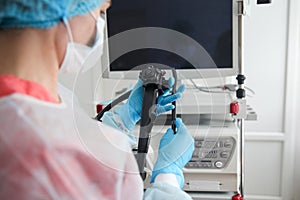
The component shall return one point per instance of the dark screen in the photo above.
(208, 22)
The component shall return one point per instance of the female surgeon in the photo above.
(49, 148)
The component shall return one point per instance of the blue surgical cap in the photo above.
(42, 14)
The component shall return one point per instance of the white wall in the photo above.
(295, 60)
(265, 59)
(271, 71)
(265, 69)
(297, 141)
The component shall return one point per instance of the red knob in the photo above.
(99, 108)
(234, 107)
(237, 197)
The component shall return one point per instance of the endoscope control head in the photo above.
(151, 75)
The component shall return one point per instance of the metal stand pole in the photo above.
(242, 157)
(241, 93)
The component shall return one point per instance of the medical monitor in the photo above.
(197, 37)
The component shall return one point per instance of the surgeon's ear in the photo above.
(61, 41)
(105, 5)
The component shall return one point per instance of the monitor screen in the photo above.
(208, 22)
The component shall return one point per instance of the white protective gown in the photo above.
(56, 151)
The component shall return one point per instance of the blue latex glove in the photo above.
(130, 112)
(175, 151)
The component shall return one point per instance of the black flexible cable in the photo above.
(112, 104)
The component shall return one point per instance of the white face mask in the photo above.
(80, 57)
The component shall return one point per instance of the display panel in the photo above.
(209, 23)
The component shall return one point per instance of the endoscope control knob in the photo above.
(152, 75)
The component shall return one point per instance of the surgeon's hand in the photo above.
(130, 112)
(175, 151)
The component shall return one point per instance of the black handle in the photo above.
(146, 124)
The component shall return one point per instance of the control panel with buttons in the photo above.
(212, 153)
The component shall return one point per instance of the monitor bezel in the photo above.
(182, 73)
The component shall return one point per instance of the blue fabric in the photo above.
(163, 191)
(175, 150)
(130, 112)
(42, 14)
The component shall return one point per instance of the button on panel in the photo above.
(196, 153)
(218, 164)
(219, 144)
(228, 144)
(224, 154)
(198, 143)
